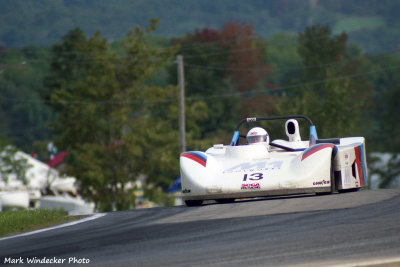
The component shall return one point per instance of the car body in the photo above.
(282, 167)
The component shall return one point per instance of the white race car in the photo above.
(281, 167)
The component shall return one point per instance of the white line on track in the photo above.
(93, 217)
(365, 262)
(371, 262)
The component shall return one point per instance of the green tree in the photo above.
(221, 65)
(387, 174)
(12, 164)
(23, 114)
(283, 58)
(384, 115)
(386, 130)
(328, 88)
(108, 115)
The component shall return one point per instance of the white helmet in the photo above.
(257, 135)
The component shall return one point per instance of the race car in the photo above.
(260, 167)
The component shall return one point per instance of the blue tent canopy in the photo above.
(176, 186)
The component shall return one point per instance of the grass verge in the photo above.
(18, 221)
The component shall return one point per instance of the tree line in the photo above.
(373, 24)
(114, 105)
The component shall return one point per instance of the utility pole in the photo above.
(181, 83)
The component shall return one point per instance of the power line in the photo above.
(192, 46)
(234, 51)
(224, 68)
(222, 95)
(70, 102)
(195, 66)
(170, 62)
(278, 89)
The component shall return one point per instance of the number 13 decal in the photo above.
(253, 176)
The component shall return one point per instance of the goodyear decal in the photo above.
(311, 150)
(323, 182)
(199, 157)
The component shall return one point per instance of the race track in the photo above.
(351, 229)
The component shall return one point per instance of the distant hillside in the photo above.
(372, 24)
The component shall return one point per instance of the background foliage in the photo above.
(108, 114)
(373, 24)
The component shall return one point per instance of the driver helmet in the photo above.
(257, 135)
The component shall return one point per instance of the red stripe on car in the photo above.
(193, 157)
(358, 163)
(308, 152)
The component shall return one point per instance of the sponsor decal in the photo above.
(255, 167)
(346, 159)
(199, 157)
(250, 186)
(347, 175)
(185, 191)
(323, 182)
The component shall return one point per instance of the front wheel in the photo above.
(333, 184)
(192, 203)
(225, 200)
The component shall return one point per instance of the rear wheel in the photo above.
(192, 203)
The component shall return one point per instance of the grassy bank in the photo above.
(12, 222)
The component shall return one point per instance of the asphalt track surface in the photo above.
(351, 229)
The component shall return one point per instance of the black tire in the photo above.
(225, 200)
(323, 193)
(349, 190)
(333, 179)
(333, 184)
(193, 203)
